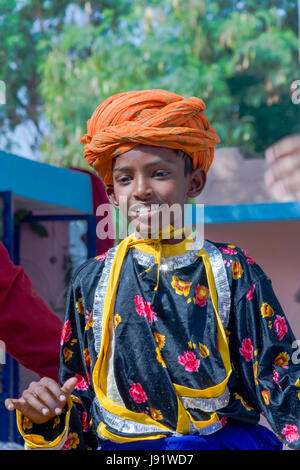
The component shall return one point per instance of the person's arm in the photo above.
(283, 168)
(29, 329)
(266, 360)
(72, 428)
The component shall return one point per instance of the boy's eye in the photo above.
(123, 179)
(161, 173)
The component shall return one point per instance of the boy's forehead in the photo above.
(145, 152)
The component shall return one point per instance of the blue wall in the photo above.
(45, 183)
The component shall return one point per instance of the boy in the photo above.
(172, 343)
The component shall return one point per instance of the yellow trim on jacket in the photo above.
(37, 441)
(99, 376)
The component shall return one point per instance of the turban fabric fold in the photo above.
(148, 117)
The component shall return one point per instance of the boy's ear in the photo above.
(110, 193)
(197, 180)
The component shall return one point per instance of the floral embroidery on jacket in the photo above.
(290, 432)
(280, 326)
(71, 442)
(181, 287)
(189, 361)
(67, 353)
(159, 339)
(228, 250)
(79, 305)
(87, 357)
(66, 332)
(117, 320)
(255, 369)
(247, 349)
(137, 393)
(250, 260)
(202, 294)
(89, 319)
(159, 357)
(237, 270)
(101, 257)
(266, 310)
(203, 350)
(82, 384)
(282, 359)
(249, 294)
(156, 414)
(266, 396)
(145, 309)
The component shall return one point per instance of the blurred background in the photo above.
(59, 59)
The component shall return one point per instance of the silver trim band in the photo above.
(173, 262)
(207, 404)
(126, 426)
(99, 298)
(221, 281)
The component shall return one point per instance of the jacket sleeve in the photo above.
(73, 429)
(268, 360)
(29, 329)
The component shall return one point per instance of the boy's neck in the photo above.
(180, 237)
(173, 241)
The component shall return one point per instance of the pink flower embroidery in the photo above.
(72, 441)
(89, 320)
(145, 309)
(66, 332)
(249, 259)
(202, 294)
(227, 263)
(245, 253)
(66, 444)
(247, 349)
(189, 361)
(137, 393)
(227, 251)
(280, 326)
(276, 377)
(290, 432)
(101, 257)
(84, 420)
(223, 421)
(250, 292)
(82, 384)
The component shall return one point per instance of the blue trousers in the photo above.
(233, 436)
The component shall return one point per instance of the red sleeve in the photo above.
(29, 328)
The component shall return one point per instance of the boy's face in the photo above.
(147, 182)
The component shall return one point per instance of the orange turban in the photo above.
(148, 117)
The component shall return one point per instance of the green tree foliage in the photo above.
(239, 56)
(23, 23)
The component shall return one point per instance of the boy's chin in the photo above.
(146, 231)
(153, 232)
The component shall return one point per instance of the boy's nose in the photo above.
(142, 189)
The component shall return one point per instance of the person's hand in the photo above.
(42, 400)
(283, 168)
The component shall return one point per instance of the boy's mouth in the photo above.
(144, 211)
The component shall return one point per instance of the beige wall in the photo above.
(275, 247)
